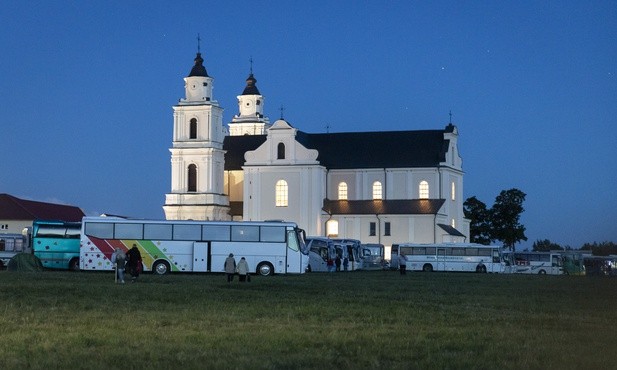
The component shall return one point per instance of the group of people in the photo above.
(130, 261)
(335, 264)
(231, 268)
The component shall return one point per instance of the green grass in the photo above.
(344, 320)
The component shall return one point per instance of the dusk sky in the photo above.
(87, 90)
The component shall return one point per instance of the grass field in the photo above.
(343, 320)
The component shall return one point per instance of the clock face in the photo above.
(193, 87)
(248, 104)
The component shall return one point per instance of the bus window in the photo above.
(292, 239)
(157, 232)
(273, 234)
(100, 230)
(458, 251)
(245, 233)
(216, 233)
(471, 251)
(187, 232)
(129, 231)
(419, 250)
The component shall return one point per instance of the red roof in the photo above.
(12, 208)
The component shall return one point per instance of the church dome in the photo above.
(198, 69)
(251, 87)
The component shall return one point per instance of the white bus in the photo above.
(373, 257)
(468, 257)
(321, 249)
(194, 246)
(12, 244)
(538, 263)
(350, 249)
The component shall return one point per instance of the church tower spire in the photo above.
(197, 156)
(250, 120)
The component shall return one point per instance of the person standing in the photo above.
(243, 270)
(230, 267)
(337, 262)
(402, 263)
(118, 258)
(134, 262)
(345, 263)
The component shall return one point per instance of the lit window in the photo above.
(423, 190)
(281, 193)
(342, 191)
(193, 129)
(192, 177)
(377, 194)
(453, 223)
(453, 191)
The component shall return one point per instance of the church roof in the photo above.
(388, 149)
(251, 86)
(198, 69)
(12, 208)
(386, 206)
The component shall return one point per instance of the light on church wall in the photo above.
(332, 228)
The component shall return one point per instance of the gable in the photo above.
(12, 208)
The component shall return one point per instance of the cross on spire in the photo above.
(198, 43)
(450, 115)
(282, 109)
(251, 60)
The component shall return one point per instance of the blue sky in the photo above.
(87, 90)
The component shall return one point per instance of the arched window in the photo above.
(377, 193)
(192, 177)
(453, 191)
(281, 193)
(342, 191)
(280, 151)
(423, 190)
(193, 129)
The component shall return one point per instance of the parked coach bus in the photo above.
(56, 244)
(538, 263)
(452, 257)
(194, 246)
(321, 249)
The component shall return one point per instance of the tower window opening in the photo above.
(192, 178)
(193, 129)
(280, 151)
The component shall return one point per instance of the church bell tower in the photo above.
(250, 120)
(197, 155)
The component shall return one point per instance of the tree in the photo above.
(545, 246)
(480, 226)
(505, 218)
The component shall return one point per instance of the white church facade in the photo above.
(378, 187)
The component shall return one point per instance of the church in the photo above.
(377, 187)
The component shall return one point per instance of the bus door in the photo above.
(201, 254)
(441, 259)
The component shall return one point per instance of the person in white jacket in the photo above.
(243, 270)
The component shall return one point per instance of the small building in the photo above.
(17, 214)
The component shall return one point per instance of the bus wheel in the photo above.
(541, 272)
(481, 269)
(74, 264)
(265, 269)
(160, 268)
(427, 268)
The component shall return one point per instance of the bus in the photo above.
(320, 250)
(351, 249)
(12, 244)
(373, 257)
(194, 246)
(538, 263)
(468, 257)
(600, 265)
(56, 244)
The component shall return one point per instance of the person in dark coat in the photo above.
(133, 257)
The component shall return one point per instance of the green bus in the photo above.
(56, 244)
